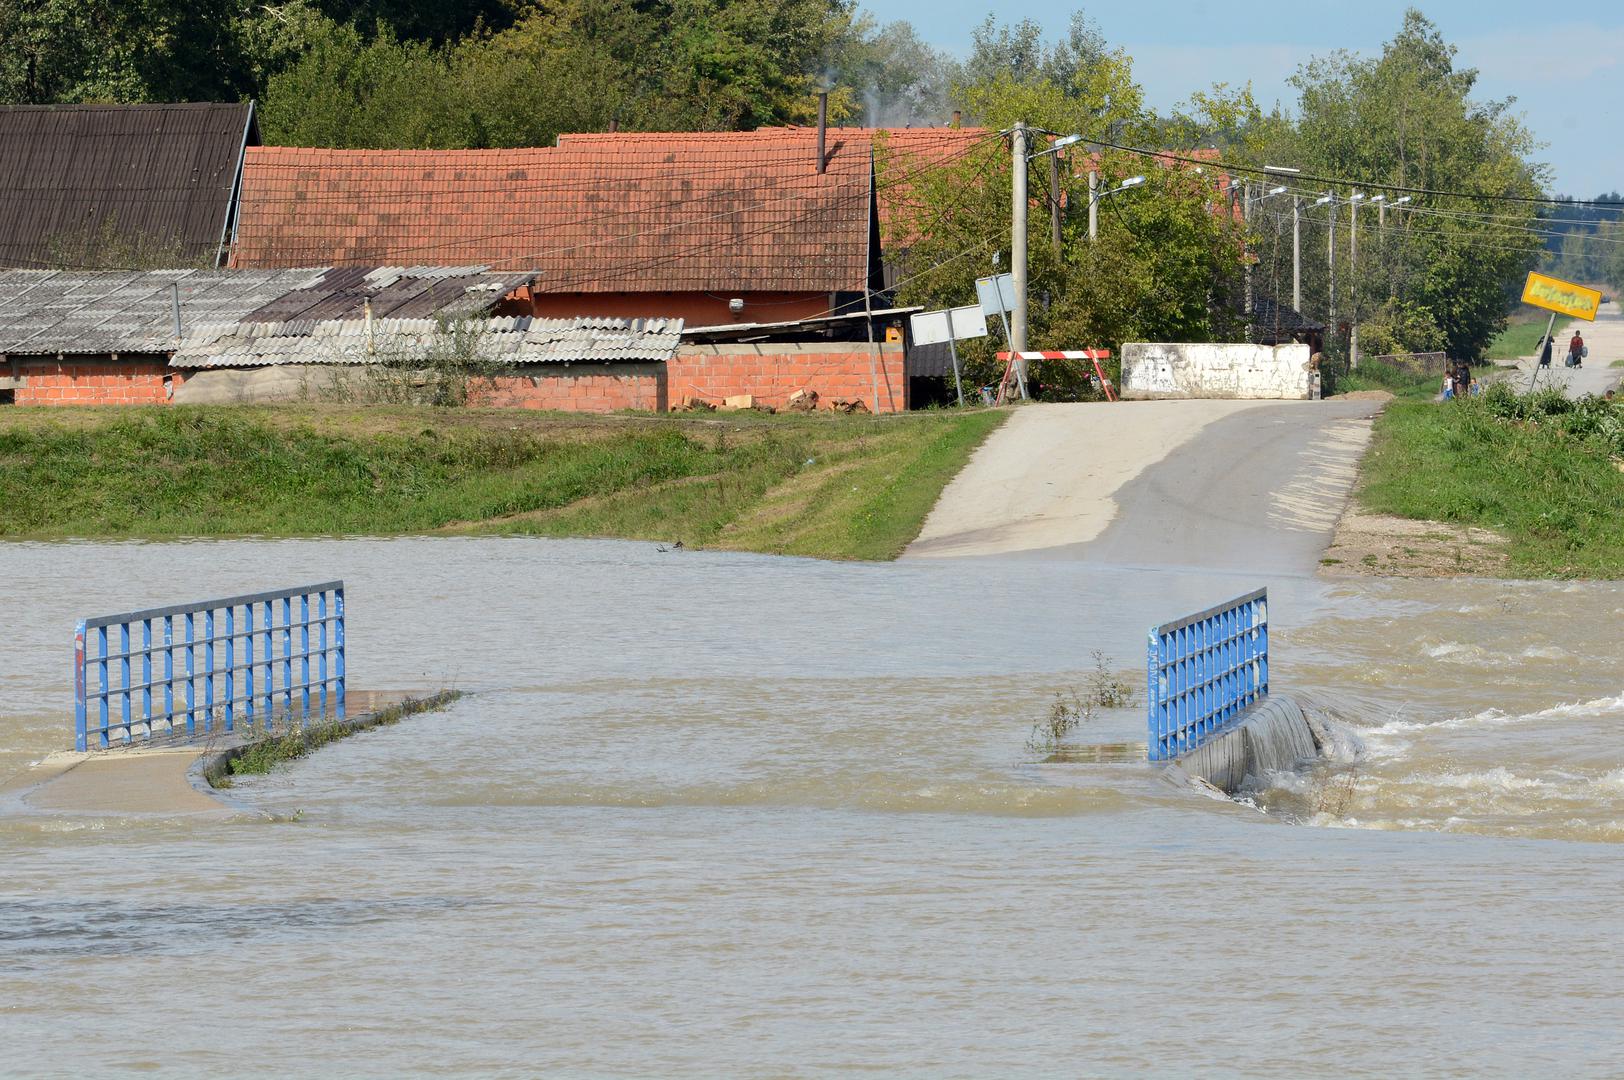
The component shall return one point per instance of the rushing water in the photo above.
(721, 814)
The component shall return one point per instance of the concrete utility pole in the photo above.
(1296, 253)
(1017, 252)
(1353, 277)
(1246, 250)
(1093, 203)
(1330, 265)
(1054, 202)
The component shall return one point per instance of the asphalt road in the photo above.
(1211, 485)
(1605, 337)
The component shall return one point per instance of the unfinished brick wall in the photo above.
(93, 381)
(771, 373)
(579, 388)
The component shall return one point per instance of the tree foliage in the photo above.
(1408, 118)
(1165, 266)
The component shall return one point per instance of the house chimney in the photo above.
(174, 305)
(371, 345)
(614, 125)
(823, 127)
(957, 116)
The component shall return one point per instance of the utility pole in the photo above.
(1246, 250)
(1296, 254)
(1353, 278)
(1093, 204)
(1330, 266)
(1017, 253)
(1054, 202)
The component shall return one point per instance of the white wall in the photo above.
(1151, 370)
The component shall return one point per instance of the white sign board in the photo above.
(934, 327)
(997, 294)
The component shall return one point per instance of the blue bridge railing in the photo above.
(208, 667)
(1204, 671)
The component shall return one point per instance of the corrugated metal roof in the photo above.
(142, 174)
(54, 311)
(507, 339)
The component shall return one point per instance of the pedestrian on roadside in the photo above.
(1545, 351)
(1576, 350)
(1462, 380)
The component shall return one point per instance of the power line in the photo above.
(1255, 170)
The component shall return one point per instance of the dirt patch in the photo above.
(1377, 545)
(1363, 395)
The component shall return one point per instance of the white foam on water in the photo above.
(1496, 717)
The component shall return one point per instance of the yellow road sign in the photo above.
(1562, 297)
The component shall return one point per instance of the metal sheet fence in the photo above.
(210, 667)
(1204, 670)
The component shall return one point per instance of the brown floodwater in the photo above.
(708, 813)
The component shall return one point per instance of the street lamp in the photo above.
(1096, 196)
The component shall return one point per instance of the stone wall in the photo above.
(1216, 371)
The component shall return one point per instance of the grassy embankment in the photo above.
(854, 487)
(1531, 467)
(1521, 337)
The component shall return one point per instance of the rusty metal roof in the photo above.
(45, 312)
(159, 177)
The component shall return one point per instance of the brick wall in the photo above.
(580, 388)
(771, 373)
(145, 380)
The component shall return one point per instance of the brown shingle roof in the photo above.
(664, 215)
(143, 176)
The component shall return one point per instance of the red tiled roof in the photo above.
(666, 214)
(906, 151)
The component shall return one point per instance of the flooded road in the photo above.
(707, 813)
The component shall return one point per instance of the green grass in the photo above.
(1559, 499)
(1616, 363)
(725, 480)
(1371, 375)
(1520, 338)
(262, 756)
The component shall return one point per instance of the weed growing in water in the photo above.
(1070, 710)
(1067, 713)
(1107, 689)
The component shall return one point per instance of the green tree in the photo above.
(1165, 265)
(564, 65)
(132, 51)
(1409, 118)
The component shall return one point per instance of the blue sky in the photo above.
(1564, 65)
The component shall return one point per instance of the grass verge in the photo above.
(827, 486)
(1371, 375)
(261, 757)
(1521, 337)
(1556, 496)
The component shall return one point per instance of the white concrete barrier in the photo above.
(1173, 370)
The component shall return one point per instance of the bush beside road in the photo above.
(1540, 470)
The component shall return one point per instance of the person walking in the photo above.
(1545, 351)
(1576, 351)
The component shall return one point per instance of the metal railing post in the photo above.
(338, 648)
(81, 737)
